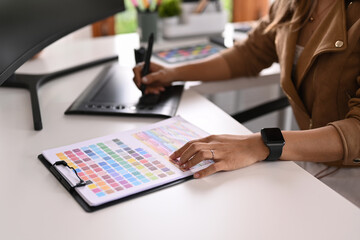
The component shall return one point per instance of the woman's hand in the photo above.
(229, 152)
(156, 81)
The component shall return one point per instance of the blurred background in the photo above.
(231, 101)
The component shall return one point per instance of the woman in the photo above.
(317, 44)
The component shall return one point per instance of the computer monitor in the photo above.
(26, 27)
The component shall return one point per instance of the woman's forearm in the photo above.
(316, 145)
(212, 69)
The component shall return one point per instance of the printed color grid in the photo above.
(166, 139)
(113, 166)
(187, 53)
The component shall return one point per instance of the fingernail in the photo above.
(183, 166)
(144, 80)
(196, 175)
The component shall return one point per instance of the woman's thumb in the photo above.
(151, 78)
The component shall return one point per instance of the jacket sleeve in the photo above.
(257, 52)
(349, 131)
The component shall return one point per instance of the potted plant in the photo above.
(169, 11)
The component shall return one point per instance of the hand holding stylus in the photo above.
(158, 78)
(150, 77)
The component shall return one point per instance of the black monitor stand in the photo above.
(33, 82)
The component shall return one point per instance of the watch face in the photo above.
(272, 135)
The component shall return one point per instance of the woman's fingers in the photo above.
(156, 74)
(199, 156)
(175, 155)
(154, 90)
(153, 78)
(213, 168)
(193, 150)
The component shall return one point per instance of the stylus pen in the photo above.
(145, 70)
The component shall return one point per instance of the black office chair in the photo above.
(261, 110)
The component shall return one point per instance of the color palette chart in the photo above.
(188, 53)
(123, 164)
(166, 139)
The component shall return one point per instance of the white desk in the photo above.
(265, 201)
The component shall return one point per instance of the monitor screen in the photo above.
(26, 27)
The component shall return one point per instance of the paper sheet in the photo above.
(125, 163)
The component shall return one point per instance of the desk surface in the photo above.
(276, 200)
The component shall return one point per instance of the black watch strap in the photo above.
(275, 153)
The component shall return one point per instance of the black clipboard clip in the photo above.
(81, 182)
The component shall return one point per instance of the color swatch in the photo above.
(113, 166)
(183, 54)
(166, 139)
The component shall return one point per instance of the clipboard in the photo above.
(104, 171)
(89, 208)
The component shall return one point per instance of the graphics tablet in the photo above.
(113, 92)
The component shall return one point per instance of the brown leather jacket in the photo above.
(325, 88)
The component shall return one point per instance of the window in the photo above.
(126, 21)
